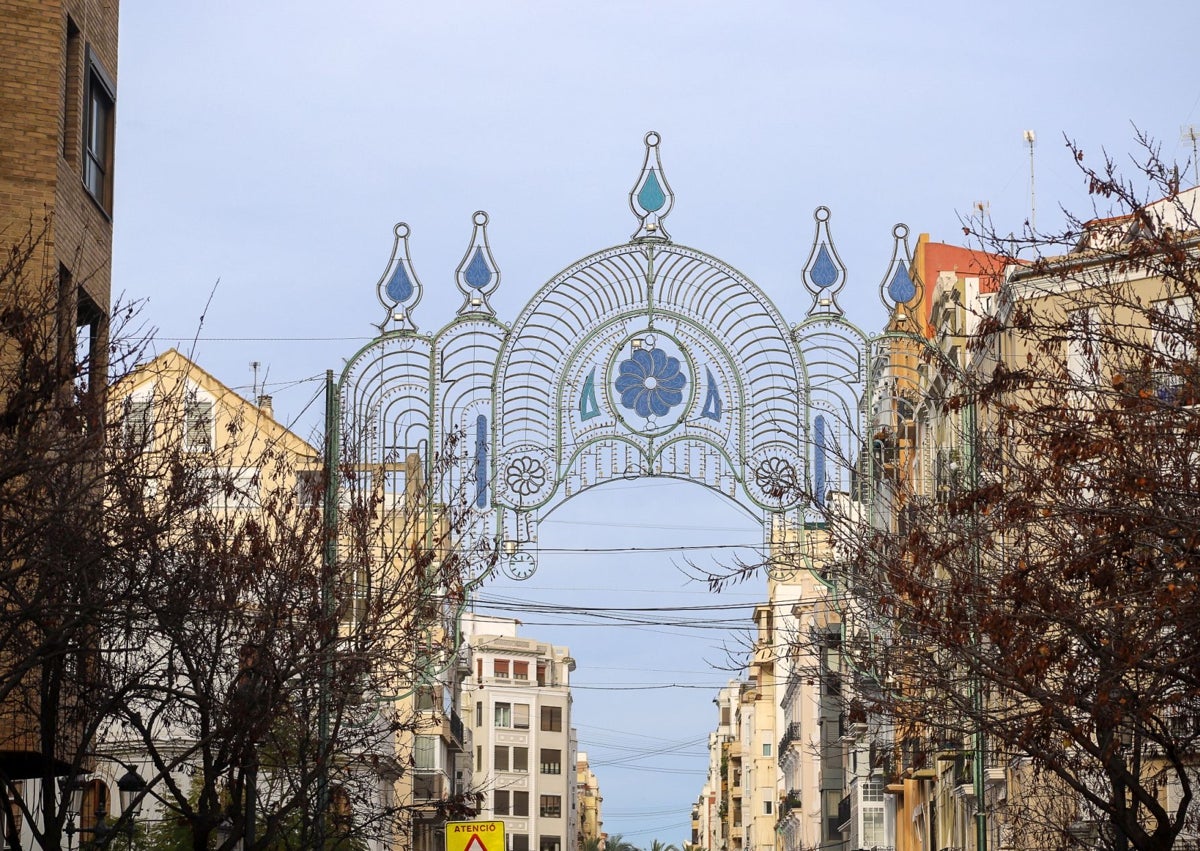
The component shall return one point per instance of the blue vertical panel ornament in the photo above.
(824, 273)
(399, 289)
(588, 406)
(478, 275)
(819, 460)
(712, 399)
(900, 288)
(481, 462)
(651, 198)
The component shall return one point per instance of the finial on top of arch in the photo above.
(399, 289)
(651, 198)
(900, 288)
(478, 275)
(824, 273)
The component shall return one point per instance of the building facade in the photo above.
(589, 801)
(524, 751)
(58, 89)
(58, 96)
(396, 770)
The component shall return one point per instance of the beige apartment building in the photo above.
(400, 769)
(589, 801)
(761, 771)
(1099, 332)
(524, 759)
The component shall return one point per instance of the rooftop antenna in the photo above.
(1031, 140)
(1191, 133)
(254, 365)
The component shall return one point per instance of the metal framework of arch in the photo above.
(644, 359)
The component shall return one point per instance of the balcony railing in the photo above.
(791, 734)
(456, 728)
(843, 812)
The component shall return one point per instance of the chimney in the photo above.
(265, 405)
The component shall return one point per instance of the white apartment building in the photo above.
(524, 750)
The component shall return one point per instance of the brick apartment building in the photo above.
(58, 94)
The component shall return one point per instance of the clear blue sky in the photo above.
(272, 146)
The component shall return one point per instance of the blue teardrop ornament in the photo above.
(478, 275)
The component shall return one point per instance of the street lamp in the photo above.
(132, 789)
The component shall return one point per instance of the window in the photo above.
(833, 798)
(425, 699)
(310, 488)
(479, 757)
(541, 673)
(500, 802)
(520, 803)
(520, 670)
(551, 761)
(502, 715)
(551, 806)
(1174, 345)
(550, 843)
(521, 716)
(356, 594)
(767, 807)
(520, 842)
(197, 424)
(500, 668)
(766, 748)
(873, 834)
(99, 108)
(479, 713)
(1083, 347)
(14, 805)
(520, 759)
(88, 319)
(425, 753)
(552, 719)
(500, 758)
(235, 489)
(479, 670)
(137, 427)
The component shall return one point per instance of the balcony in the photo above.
(456, 729)
(791, 734)
(429, 786)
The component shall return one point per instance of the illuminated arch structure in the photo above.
(643, 359)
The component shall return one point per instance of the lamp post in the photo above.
(132, 790)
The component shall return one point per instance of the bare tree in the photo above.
(56, 587)
(275, 697)
(167, 605)
(1031, 567)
